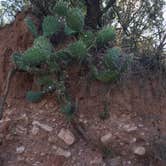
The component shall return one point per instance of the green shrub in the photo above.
(75, 19)
(18, 61)
(34, 57)
(105, 35)
(61, 8)
(67, 109)
(34, 96)
(45, 80)
(105, 114)
(112, 57)
(43, 43)
(114, 60)
(78, 50)
(62, 54)
(31, 26)
(68, 31)
(105, 76)
(51, 66)
(50, 25)
(88, 38)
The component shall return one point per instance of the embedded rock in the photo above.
(67, 136)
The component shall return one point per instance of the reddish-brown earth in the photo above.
(137, 109)
(13, 38)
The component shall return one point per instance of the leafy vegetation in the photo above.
(78, 50)
(105, 35)
(105, 114)
(50, 66)
(34, 96)
(50, 26)
(61, 8)
(75, 19)
(31, 26)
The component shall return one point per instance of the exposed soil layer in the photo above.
(136, 117)
(14, 38)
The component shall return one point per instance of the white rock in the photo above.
(62, 152)
(67, 136)
(140, 125)
(139, 150)
(130, 128)
(37, 163)
(5, 120)
(35, 130)
(20, 149)
(129, 162)
(21, 130)
(54, 147)
(43, 126)
(133, 140)
(106, 138)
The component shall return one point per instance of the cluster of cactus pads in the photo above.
(43, 61)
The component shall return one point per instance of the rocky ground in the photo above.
(132, 134)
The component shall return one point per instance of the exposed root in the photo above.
(6, 90)
(94, 144)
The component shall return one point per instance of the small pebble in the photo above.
(20, 149)
(139, 150)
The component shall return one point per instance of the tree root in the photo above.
(94, 144)
(6, 90)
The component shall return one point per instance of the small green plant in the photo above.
(61, 8)
(78, 50)
(17, 59)
(34, 96)
(44, 44)
(31, 26)
(34, 57)
(111, 58)
(88, 38)
(45, 81)
(68, 31)
(107, 152)
(105, 76)
(115, 60)
(75, 19)
(50, 25)
(105, 35)
(105, 114)
(68, 109)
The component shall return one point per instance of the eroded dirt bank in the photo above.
(136, 120)
(134, 129)
(13, 38)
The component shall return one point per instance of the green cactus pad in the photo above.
(75, 20)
